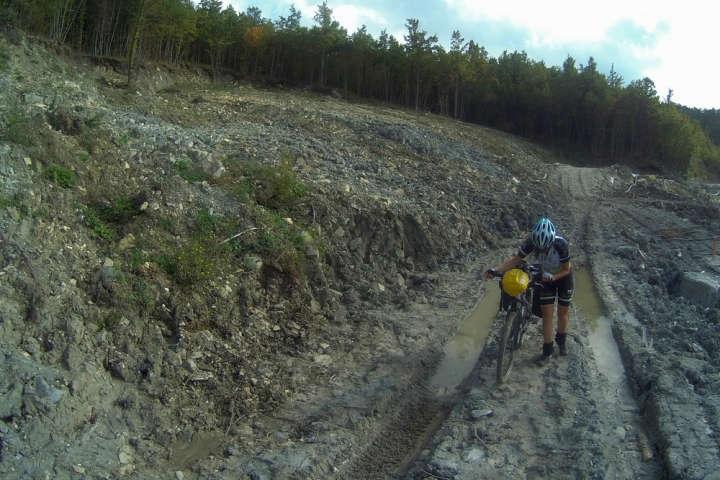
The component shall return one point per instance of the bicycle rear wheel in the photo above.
(507, 344)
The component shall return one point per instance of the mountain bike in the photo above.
(519, 314)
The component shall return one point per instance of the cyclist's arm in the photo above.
(563, 250)
(565, 270)
(511, 262)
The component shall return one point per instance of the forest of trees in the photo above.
(709, 120)
(573, 107)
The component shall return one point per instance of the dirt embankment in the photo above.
(217, 281)
(215, 278)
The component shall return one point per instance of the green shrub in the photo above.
(190, 172)
(108, 320)
(167, 224)
(9, 201)
(190, 264)
(135, 259)
(123, 140)
(4, 56)
(281, 244)
(275, 187)
(105, 218)
(61, 176)
(19, 127)
(99, 228)
(207, 224)
(120, 211)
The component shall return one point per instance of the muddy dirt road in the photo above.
(582, 416)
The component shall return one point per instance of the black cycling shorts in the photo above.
(562, 290)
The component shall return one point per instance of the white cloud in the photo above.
(347, 15)
(561, 21)
(682, 56)
(352, 16)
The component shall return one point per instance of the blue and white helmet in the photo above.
(543, 234)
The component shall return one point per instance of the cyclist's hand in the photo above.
(548, 277)
(489, 274)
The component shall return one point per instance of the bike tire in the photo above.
(506, 345)
(519, 332)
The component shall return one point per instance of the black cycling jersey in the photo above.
(556, 255)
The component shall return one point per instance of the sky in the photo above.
(672, 43)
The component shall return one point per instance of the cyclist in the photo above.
(552, 252)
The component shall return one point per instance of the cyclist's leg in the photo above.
(565, 293)
(547, 305)
(547, 316)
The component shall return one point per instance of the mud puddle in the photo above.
(602, 343)
(202, 445)
(461, 353)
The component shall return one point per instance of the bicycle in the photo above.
(519, 313)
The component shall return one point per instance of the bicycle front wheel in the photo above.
(506, 345)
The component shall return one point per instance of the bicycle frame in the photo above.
(516, 322)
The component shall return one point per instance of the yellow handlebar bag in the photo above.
(514, 282)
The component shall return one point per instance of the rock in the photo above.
(32, 99)
(322, 359)
(125, 455)
(75, 329)
(11, 401)
(253, 263)
(480, 413)
(231, 451)
(475, 455)
(179, 475)
(356, 244)
(126, 469)
(127, 242)
(258, 471)
(43, 394)
(117, 366)
(626, 251)
(191, 365)
(105, 280)
(210, 165)
(700, 288)
(73, 357)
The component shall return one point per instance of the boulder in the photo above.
(11, 401)
(700, 288)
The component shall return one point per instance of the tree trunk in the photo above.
(322, 69)
(135, 40)
(417, 90)
(456, 106)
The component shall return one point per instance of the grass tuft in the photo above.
(61, 176)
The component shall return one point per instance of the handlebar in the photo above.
(535, 272)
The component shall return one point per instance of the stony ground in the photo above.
(220, 281)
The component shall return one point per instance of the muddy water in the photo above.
(607, 356)
(202, 445)
(462, 351)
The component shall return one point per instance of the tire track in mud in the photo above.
(413, 415)
(684, 425)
